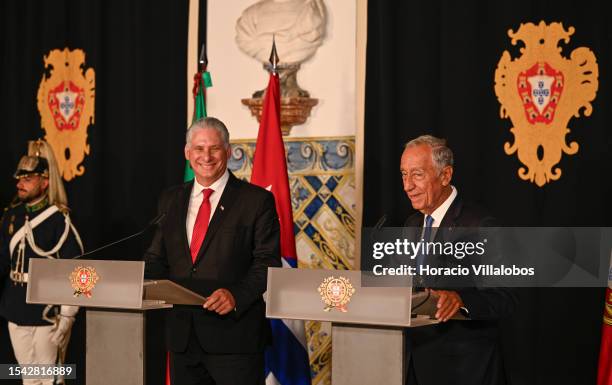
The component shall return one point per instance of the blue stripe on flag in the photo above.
(291, 261)
(286, 358)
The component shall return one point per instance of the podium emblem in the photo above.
(83, 280)
(336, 293)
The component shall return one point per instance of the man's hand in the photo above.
(449, 303)
(220, 301)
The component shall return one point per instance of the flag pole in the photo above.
(273, 57)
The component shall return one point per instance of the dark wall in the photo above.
(430, 69)
(138, 51)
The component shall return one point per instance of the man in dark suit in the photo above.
(452, 351)
(218, 238)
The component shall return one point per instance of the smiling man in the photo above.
(218, 238)
(462, 352)
(426, 174)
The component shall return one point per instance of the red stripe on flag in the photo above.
(604, 376)
(168, 381)
(270, 164)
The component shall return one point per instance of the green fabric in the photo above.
(199, 105)
(188, 172)
(37, 206)
(207, 79)
(199, 113)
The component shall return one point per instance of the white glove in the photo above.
(68, 310)
(61, 336)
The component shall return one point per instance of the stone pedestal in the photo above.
(294, 110)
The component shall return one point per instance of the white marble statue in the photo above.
(298, 27)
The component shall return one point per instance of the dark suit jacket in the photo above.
(241, 242)
(13, 304)
(461, 352)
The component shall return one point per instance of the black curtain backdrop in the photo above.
(138, 50)
(430, 70)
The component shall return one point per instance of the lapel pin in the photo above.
(221, 207)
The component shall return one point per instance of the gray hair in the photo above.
(208, 122)
(441, 155)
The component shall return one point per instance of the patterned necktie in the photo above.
(201, 224)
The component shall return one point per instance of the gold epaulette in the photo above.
(16, 202)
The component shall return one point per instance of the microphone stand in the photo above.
(158, 219)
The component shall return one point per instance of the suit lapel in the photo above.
(223, 208)
(449, 222)
(452, 213)
(183, 206)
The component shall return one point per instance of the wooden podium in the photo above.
(116, 309)
(368, 339)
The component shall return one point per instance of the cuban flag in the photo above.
(287, 360)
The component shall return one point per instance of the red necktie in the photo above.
(201, 224)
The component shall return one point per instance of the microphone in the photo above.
(155, 221)
(366, 264)
(380, 222)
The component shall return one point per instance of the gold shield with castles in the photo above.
(66, 102)
(540, 91)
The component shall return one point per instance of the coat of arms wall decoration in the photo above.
(66, 102)
(540, 91)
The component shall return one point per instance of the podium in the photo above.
(116, 299)
(367, 334)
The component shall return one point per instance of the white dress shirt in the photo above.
(440, 212)
(195, 201)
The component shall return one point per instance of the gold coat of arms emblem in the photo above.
(540, 91)
(66, 102)
(336, 293)
(83, 280)
(608, 310)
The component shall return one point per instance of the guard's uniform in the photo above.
(31, 326)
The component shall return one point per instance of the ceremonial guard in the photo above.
(36, 225)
